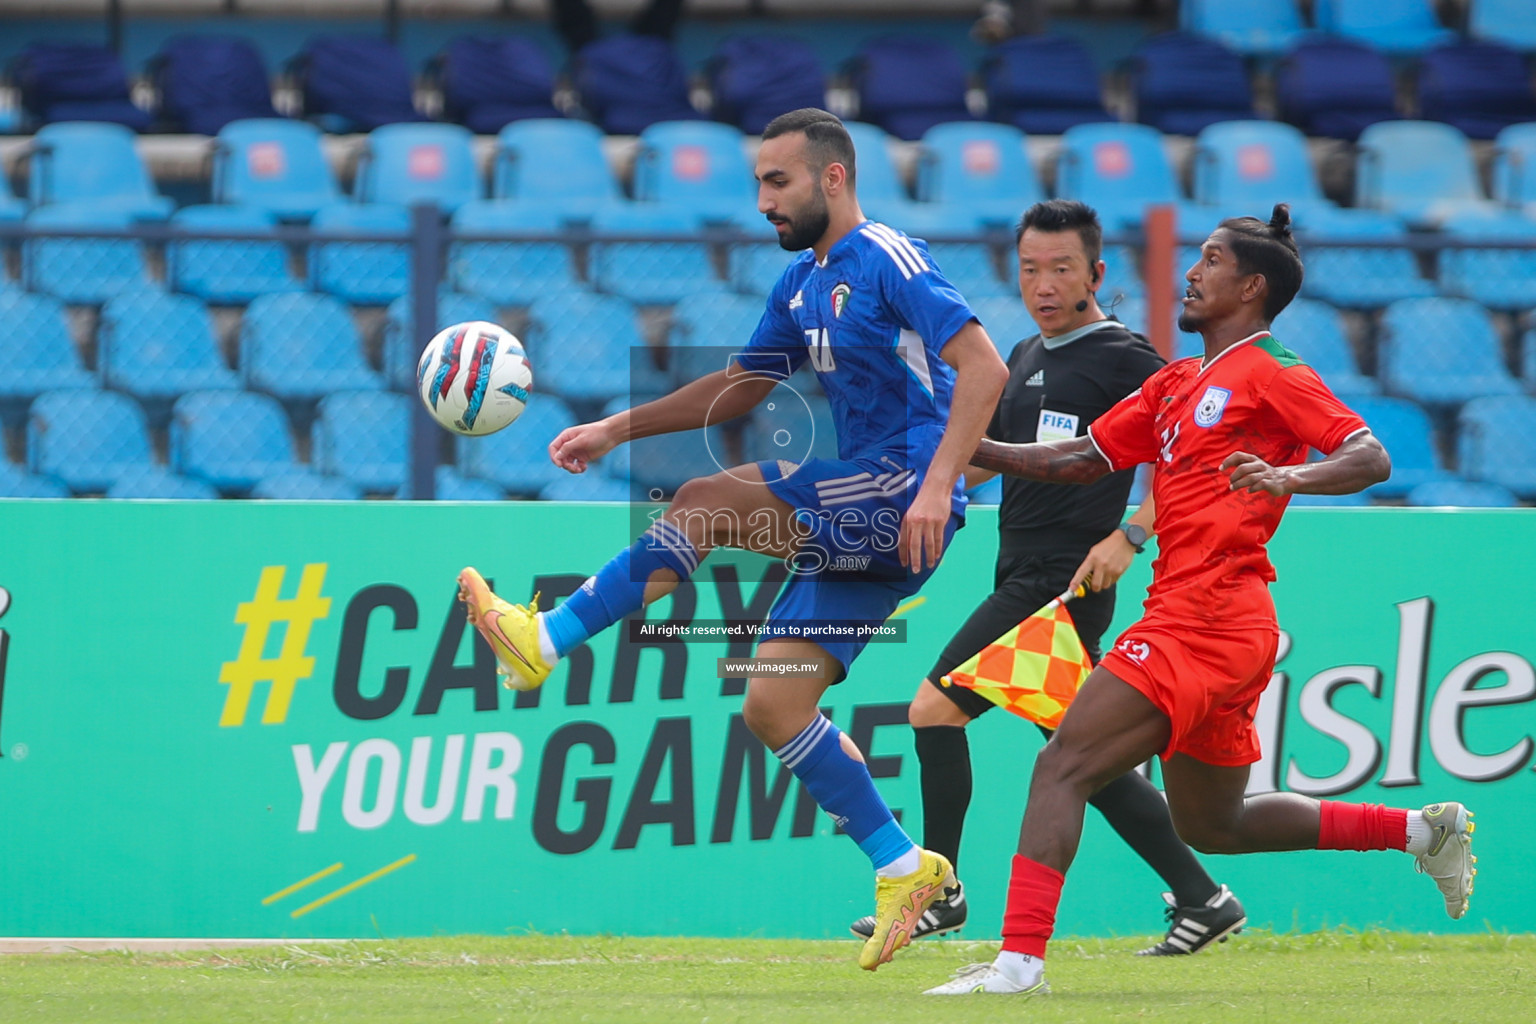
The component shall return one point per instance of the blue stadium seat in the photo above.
(655, 272)
(1461, 494)
(1362, 277)
(300, 346)
(908, 84)
(1423, 171)
(86, 438)
(697, 164)
(1335, 87)
(981, 166)
(1043, 84)
(630, 82)
(230, 439)
(657, 466)
(490, 82)
(511, 272)
(451, 485)
(1404, 429)
(16, 482)
(363, 273)
(1511, 22)
(364, 437)
(300, 484)
(1184, 82)
(882, 193)
(1442, 352)
(1120, 170)
(402, 349)
(1315, 331)
(95, 164)
(1007, 321)
(755, 78)
(557, 164)
(87, 271)
(593, 485)
(884, 196)
(157, 346)
(1496, 442)
(1253, 27)
(354, 83)
(274, 164)
(159, 484)
(1514, 167)
(1500, 278)
(707, 331)
(517, 459)
(585, 349)
(1394, 26)
(405, 164)
(989, 493)
(228, 272)
(207, 81)
(76, 82)
(11, 208)
(36, 351)
(1480, 88)
(1245, 167)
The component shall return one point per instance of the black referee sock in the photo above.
(945, 756)
(1136, 810)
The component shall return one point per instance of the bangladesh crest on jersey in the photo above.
(840, 296)
(1212, 404)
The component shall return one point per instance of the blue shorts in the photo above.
(848, 572)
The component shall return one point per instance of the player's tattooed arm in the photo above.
(1070, 461)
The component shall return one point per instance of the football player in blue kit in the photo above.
(912, 379)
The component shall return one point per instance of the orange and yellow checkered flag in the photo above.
(1034, 669)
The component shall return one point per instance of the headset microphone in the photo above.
(1082, 305)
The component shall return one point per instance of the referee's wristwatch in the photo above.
(1136, 535)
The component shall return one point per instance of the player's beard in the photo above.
(1189, 323)
(808, 225)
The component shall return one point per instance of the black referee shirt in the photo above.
(1055, 390)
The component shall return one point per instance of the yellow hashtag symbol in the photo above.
(291, 663)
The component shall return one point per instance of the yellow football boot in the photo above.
(900, 904)
(512, 630)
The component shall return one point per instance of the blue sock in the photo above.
(843, 788)
(619, 587)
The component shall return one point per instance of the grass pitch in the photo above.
(1328, 977)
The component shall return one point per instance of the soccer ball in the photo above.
(474, 378)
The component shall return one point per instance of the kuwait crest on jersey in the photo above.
(840, 296)
(1212, 404)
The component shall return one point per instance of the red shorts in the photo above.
(1207, 682)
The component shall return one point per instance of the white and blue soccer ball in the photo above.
(474, 378)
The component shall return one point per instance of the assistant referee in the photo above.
(1050, 536)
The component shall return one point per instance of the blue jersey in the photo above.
(871, 321)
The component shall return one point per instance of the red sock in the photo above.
(1034, 891)
(1361, 827)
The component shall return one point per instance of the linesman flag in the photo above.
(1034, 669)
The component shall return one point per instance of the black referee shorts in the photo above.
(1023, 584)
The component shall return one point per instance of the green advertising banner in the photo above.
(268, 720)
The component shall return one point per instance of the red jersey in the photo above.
(1255, 397)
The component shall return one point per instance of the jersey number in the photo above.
(820, 345)
(1169, 436)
